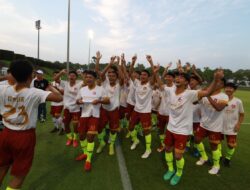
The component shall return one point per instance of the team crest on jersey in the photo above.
(233, 106)
(94, 93)
(179, 99)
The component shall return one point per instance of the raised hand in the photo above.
(134, 58)
(219, 74)
(188, 67)
(193, 67)
(64, 71)
(169, 65)
(98, 55)
(112, 59)
(156, 68)
(123, 61)
(178, 64)
(149, 58)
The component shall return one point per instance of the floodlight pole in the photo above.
(89, 53)
(68, 37)
(38, 27)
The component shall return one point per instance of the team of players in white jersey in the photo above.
(118, 95)
(105, 98)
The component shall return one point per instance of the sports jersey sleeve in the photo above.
(103, 94)
(193, 95)
(167, 90)
(41, 94)
(241, 108)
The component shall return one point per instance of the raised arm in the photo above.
(61, 73)
(218, 75)
(179, 66)
(153, 68)
(131, 68)
(166, 69)
(97, 64)
(103, 73)
(123, 67)
(79, 72)
(218, 106)
(55, 96)
(194, 71)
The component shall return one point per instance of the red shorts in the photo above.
(195, 127)
(214, 137)
(122, 112)
(130, 109)
(176, 140)
(88, 125)
(111, 118)
(162, 121)
(17, 150)
(70, 116)
(144, 118)
(56, 111)
(231, 140)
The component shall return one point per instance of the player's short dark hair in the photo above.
(232, 85)
(115, 70)
(146, 71)
(21, 70)
(195, 77)
(170, 73)
(90, 72)
(73, 72)
(185, 75)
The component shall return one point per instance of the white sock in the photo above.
(60, 122)
(55, 122)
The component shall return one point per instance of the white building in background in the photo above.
(3, 70)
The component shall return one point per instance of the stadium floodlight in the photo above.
(38, 27)
(68, 36)
(91, 36)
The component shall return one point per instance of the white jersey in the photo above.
(143, 97)
(88, 96)
(181, 111)
(113, 92)
(5, 82)
(124, 95)
(211, 119)
(156, 100)
(231, 116)
(70, 96)
(196, 113)
(19, 109)
(59, 86)
(164, 106)
(131, 93)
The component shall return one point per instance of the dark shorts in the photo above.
(17, 150)
(176, 140)
(88, 125)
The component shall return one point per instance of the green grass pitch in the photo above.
(54, 166)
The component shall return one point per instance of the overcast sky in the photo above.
(204, 32)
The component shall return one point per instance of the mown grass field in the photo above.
(54, 166)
